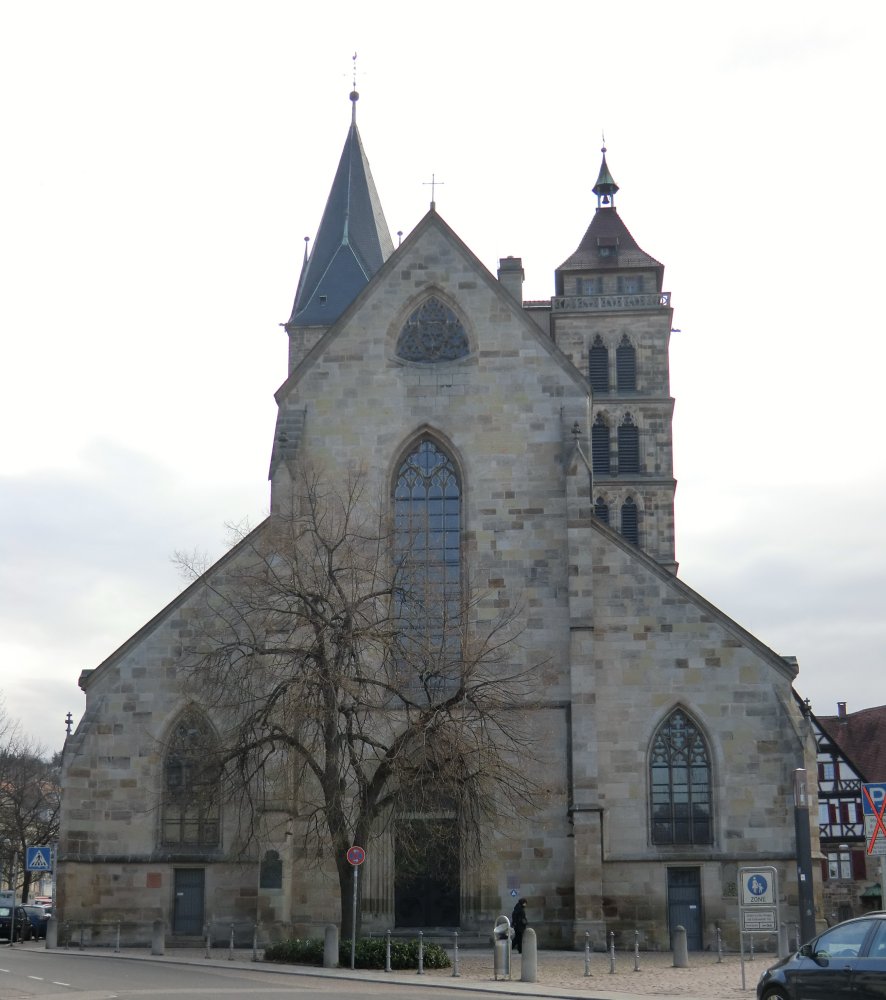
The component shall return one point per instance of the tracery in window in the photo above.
(427, 524)
(680, 783)
(432, 333)
(190, 784)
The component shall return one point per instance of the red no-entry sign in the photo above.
(356, 855)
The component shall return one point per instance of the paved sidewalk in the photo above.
(561, 974)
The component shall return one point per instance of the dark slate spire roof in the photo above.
(352, 243)
(608, 244)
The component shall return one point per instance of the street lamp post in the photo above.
(804, 856)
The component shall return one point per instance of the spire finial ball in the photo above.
(355, 96)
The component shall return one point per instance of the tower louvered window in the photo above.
(600, 457)
(626, 366)
(629, 525)
(601, 510)
(628, 447)
(680, 783)
(598, 366)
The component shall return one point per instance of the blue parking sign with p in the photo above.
(38, 859)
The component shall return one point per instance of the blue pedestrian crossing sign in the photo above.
(39, 859)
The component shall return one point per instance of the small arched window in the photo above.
(680, 783)
(601, 510)
(600, 452)
(626, 366)
(598, 365)
(191, 784)
(628, 446)
(433, 333)
(629, 526)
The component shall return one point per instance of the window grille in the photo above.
(680, 783)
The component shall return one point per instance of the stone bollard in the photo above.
(681, 949)
(330, 947)
(158, 938)
(52, 933)
(529, 958)
(783, 947)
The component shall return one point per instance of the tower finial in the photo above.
(605, 187)
(354, 95)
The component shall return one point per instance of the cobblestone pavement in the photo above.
(561, 974)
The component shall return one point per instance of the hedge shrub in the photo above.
(369, 953)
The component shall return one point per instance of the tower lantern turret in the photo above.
(605, 187)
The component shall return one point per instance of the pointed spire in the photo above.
(605, 187)
(352, 243)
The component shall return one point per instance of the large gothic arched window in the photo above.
(190, 784)
(680, 783)
(427, 523)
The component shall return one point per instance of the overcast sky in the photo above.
(163, 162)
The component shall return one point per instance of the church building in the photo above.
(670, 734)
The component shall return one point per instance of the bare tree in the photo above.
(339, 656)
(30, 797)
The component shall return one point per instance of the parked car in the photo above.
(23, 929)
(39, 918)
(848, 960)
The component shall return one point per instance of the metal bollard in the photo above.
(231, 946)
(751, 936)
(81, 937)
(255, 943)
(611, 952)
(117, 946)
(719, 947)
(388, 951)
(587, 953)
(636, 951)
(208, 951)
(421, 953)
(455, 972)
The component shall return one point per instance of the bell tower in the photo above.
(610, 315)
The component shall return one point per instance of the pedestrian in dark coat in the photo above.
(519, 922)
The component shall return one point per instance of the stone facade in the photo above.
(620, 641)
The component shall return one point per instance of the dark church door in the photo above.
(684, 904)
(426, 883)
(187, 913)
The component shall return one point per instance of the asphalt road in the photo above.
(26, 973)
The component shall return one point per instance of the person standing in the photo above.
(519, 922)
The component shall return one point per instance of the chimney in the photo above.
(511, 275)
(841, 709)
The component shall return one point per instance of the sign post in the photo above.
(757, 905)
(356, 856)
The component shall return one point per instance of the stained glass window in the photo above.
(680, 782)
(190, 793)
